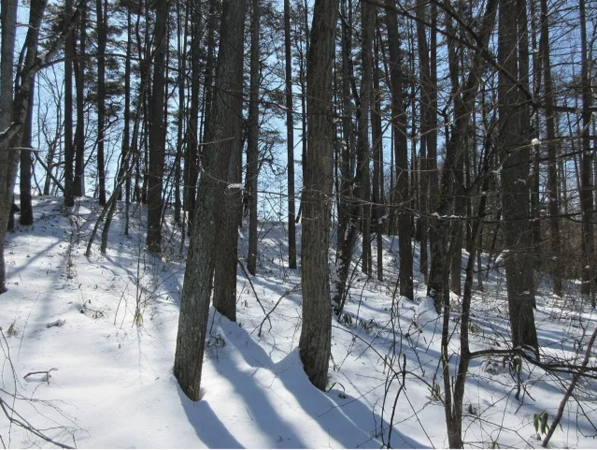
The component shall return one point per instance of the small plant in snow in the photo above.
(540, 423)
(12, 330)
(472, 410)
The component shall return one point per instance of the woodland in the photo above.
(430, 163)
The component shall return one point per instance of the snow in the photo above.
(87, 348)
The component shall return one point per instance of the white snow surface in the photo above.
(87, 349)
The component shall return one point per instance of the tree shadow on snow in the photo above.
(210, 430)
(350, 422)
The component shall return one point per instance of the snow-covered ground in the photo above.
(87, 348)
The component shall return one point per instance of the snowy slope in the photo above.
(101, 333)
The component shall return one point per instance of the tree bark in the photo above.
(157, 131)
(26, 214)
(515, 151)
(102, 39)
(231, 215)
(552, 172)
(14, 111)
(220, 136)
(405, 274)
(289, 139)
(586, 175)
(69, 150)
(316, 333)
(253, 140)
(79, 141)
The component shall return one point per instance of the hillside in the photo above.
(88, 347)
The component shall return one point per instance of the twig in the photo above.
(15, 418)
(286, 294)
(254, 291)
(575, 379)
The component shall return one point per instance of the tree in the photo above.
(400, 151)
(8, 160)
(253, 139)
(26, 215)
(316, 333)
(69, 150)
(102, 38)
(514, 150)
(220, 131)
(552, 173)
(586, 176)
(79, 72)
(231, 215)
(357, 193)
(18, 106)
(289, 138)
(157, 141)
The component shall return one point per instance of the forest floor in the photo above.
(87, 349)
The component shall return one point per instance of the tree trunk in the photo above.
(157, 132)
(191, 167)
(586, 176)
(102, 39)
(26, 214)
(552, 172)
(377, 136)
(7, 158)
(220, 131)
(289, 139)
(14, 112)
(253, 140)
(69, 150)
(79, 142)
(316, 333)
(227, 255)
(515, 151)
(399, 118)
(356, 209)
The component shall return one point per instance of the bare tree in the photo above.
(316, 333)
(514, 149)
(157, 141)
(253, 139)
(220, 138)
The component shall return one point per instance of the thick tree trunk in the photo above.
(227, 255)
(7, 159)
(316, 333)
(220, 139)
(14, 112)
(515, 150)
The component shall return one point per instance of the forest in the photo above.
(383, 209)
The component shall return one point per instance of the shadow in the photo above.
(350, 423)
(208, 427)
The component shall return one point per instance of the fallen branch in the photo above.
(38, 372)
